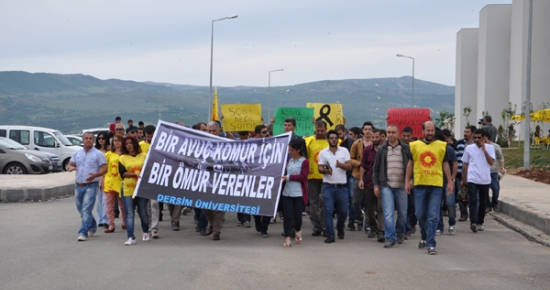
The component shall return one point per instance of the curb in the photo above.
(525, 215)
(35, 194)
(522, 229)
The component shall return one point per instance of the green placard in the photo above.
(304, 120)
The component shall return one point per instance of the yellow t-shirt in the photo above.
(144, 147)
(428, 162)
(133, 164)
(314, 146)
(113, 181)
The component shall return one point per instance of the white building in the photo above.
(498, 75)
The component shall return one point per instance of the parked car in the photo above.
(17, 159)
(75, 139)
(41, 139)
(93, 130)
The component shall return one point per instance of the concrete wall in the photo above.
(466, 77)
(493, 83)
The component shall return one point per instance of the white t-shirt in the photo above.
(338, 174)
(479, 170)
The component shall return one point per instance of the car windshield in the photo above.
(10, 144)
(62, 138)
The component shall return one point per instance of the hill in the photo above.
(73, 102)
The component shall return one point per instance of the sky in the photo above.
(169, 41)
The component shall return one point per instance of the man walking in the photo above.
(476, 173)
(388, 179)
(460, 147)
(90, 164)
(375, 215)
(496, 168)
(334, 161)
(356, 154)
(428, 164)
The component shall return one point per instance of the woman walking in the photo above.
(295, 194)
(101, 144)
(113, 183)
(130, 164)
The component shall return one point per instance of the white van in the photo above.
(41, 139)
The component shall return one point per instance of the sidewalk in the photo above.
(527, 201)
(17, 188)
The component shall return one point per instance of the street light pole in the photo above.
(212, 61)
(269, 93)
(526, 143)
(400, 55)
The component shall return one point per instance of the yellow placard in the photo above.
(332, 114)
(241, 117)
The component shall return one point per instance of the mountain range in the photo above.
(73, 102)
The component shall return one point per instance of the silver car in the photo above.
(17, 159)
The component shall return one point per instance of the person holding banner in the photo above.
(215, 218)
(314, 145)
(130, 164)
(295, 194)
(334, 161)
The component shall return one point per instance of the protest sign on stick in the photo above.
(332, 114)
(241, 117)
(303, 117)
(196, 169)
(411, 117)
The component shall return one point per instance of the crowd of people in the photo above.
(362, 175)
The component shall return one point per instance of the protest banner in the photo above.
(241, 117)
(303, 117)
(196, 169)
(332, 114)
(411, 117)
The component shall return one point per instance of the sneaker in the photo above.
(130, 241)
(495, 209)
(264, 235)
(206, 232)
(438, 232)
(175, 226)
(186, 210)
(473, 227)
(480, 228)
(422, 244)
(351, 226)
(246, 224)
(329, 240)
(407, 236)
(316, 233)
(452, 230)
(372, 234)
(304, 213)
(341, 234)
(380, 237)
(81, 238)
(432, 251)
(91, 233)
(216, 237)
(155, 234)
(463, 219)
(400, 239)
(413, 229)
(487, 210)
(389, 244)
(145, 237)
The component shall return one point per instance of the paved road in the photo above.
(39, 251)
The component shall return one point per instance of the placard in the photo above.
(303, 117)
(332, 114)
(411, 117)
(241, 117)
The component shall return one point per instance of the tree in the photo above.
(467, 112)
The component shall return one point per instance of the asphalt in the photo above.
(521, 199)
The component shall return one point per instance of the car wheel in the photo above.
(66, 163)
(15, 168)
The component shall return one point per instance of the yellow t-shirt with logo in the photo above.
(428, 162)
(314, 146)
(113, 181)
(133, 164)
(144, 147)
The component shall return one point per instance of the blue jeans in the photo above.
(351, 211)
(332, 195)
(142, 212)
(100, 207)
(394, 199)
(450, 201)
(495, 188)
(477, 203)
(427, 200)
(85, 198)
